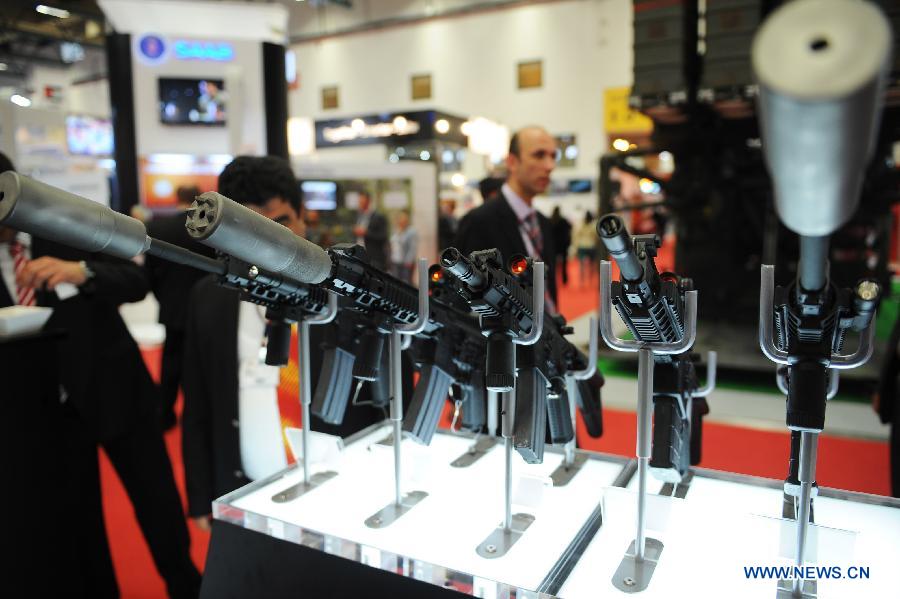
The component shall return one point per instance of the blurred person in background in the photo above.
(404, 246)
(489, 187)
(316, 230)
(562, 235)
(586, 249)
(509, 222)
(447, 223)
(108, 400)
(171, 283)
(372, 232)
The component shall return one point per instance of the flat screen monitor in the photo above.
(192, 101)
(319, 195)
(89, 136)
(580, 186)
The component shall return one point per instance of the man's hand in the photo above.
(202, 523)
(48, 272)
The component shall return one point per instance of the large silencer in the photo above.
(461, 267)
(615, 237)
(822, 68)
(51, 213)
(228, 227)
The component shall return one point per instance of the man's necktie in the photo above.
(533, 230)
(24, 295)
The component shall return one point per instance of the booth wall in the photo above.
(244, 132)
(585, 46)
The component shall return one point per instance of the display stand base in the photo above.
(786, 590)
(475, 453)
(679, 490)
(390, 513)
(633, 576)
(789, 508)
(302, 488)
(501, 540)
(564, 474)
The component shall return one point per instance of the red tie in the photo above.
(24, 295)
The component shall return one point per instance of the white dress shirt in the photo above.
(262, 448)
(523, 213)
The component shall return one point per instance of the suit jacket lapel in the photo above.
(508, 224)
(5, 295)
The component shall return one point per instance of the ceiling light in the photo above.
(4, 66)
(59, 13)
(442, 126)
(20, 100)
(621, 144)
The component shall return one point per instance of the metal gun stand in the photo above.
(572, 463)
(636, 569)
(310, 482)
(808, 440)
(501, 540)
(402, 502)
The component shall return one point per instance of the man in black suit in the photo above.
(510, 223)
(372, 232)
(218, 443)
(108, 399)
(171, 283)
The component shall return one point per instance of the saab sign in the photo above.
(154, 49)
(215, 51)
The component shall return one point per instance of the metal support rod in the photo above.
(396, 346)
(509, 397)
(581, 375)
(396, 390)
(508, 414)
(305, 395)
(569, 447)
(305, 375)
(807, 475)
(492, 405)
(507, 487)
(644, 435)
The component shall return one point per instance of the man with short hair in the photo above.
(510, 223)
(231, 425)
